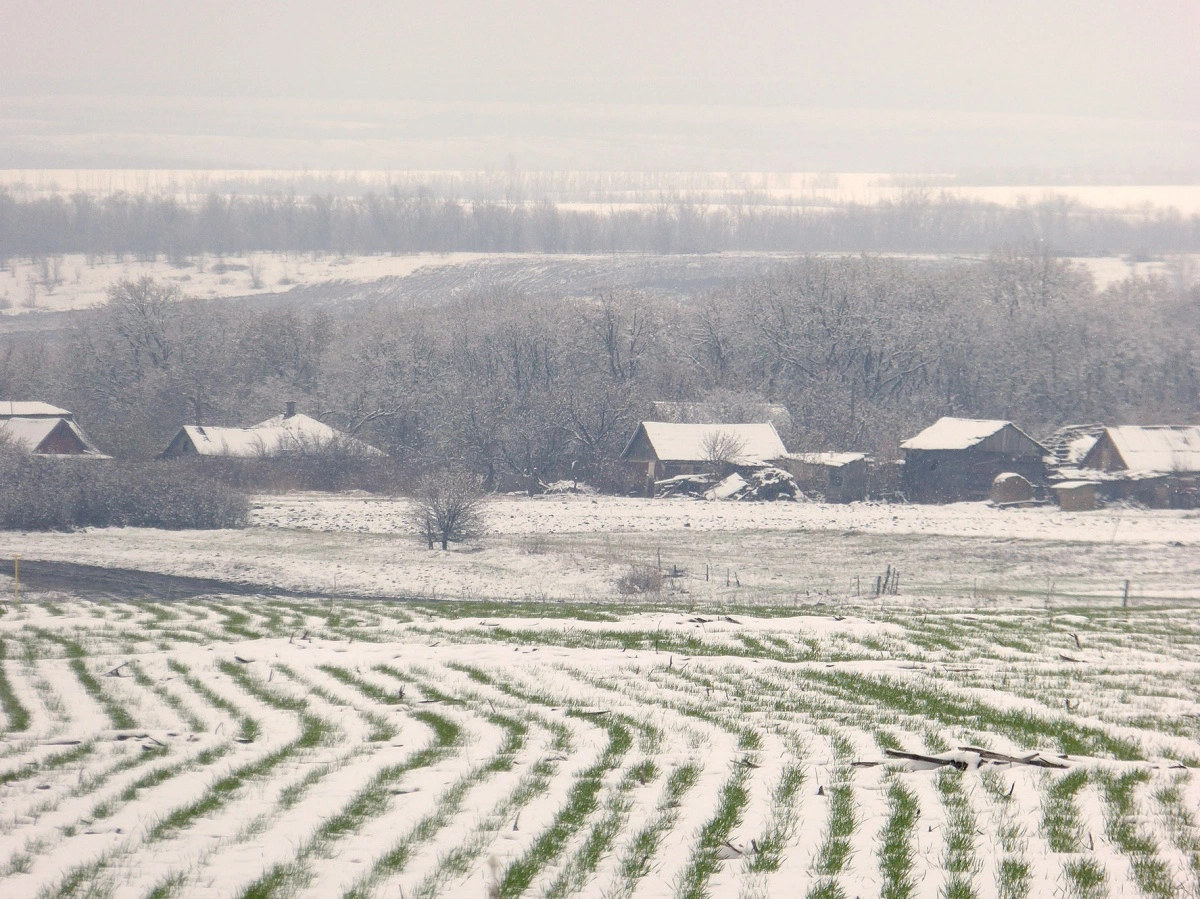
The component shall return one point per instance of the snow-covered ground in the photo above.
(238, 747)
(73, 281)
(578, 547)
(595, 189)
(725, 737)
(570, 514)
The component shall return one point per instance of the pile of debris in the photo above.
(684, 485)
(971, 757)
(565, 488)
(759, 484)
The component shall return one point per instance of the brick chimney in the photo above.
(291, 409)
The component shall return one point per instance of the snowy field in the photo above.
(575, 548)
(520, 727)
(75, 281)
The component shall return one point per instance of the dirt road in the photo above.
(98, 582)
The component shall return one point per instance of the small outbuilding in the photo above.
(957, 459)
(833, 477)
(1075, 496)
(660, 449)
(44, 430)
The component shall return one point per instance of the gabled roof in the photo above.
(705, 413)
(1164, 448)
(832, 460)
(691, 442)
(31, 433)
(958, 433)
(275, 436)
(24, 409)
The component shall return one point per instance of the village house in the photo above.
(957, 459)
(45, 430)
(833, 477)
(1156, 465)
(289, 434)
(660, 449)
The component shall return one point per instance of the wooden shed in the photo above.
(833, 477)
(957, 459)
(1075, 496)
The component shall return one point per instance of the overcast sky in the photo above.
(1089, 62)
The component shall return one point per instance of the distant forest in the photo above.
(864, 351)
(413, 220)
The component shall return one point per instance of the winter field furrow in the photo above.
(753, 740)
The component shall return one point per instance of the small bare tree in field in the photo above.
(448, 506)
(722, 450)
(254, 268)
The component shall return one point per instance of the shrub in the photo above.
(325, 471)
(60, 494)
(640, 579)
(448, 506)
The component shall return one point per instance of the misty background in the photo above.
(1028, 92)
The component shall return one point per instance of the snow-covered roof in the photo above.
(955, 434)
(1072, 485)
(276, 436)
(832, 460)
(1164, 448)
(692, 442)
(1078, 448)
(25, 409)
(1070, 443)
(708, 413)
(28, 433)
(1098, 476)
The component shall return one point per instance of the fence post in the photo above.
(1125, 598)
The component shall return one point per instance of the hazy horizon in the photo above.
(1077, 89)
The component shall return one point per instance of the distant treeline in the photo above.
(863, 351)
(408, 221)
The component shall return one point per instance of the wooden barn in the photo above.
(1157, 465)
(661, 449)
(45, 430)
(833, 477)
(957, 459)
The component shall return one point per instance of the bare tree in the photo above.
(143, 312)
(448, 506)
(254, 268)
(722, 450)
